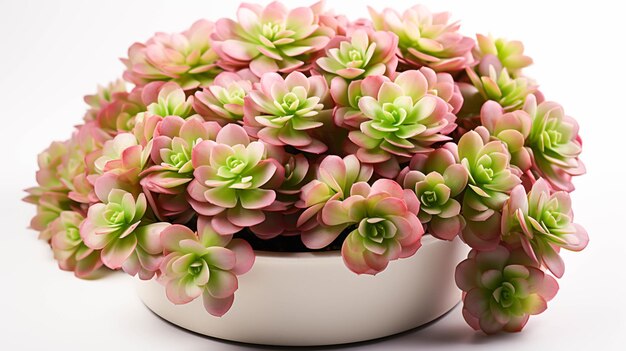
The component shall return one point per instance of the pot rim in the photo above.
(427, 239)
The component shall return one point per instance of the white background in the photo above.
(54, 52)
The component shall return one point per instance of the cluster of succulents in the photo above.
(356, 136)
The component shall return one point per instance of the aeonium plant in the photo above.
(296, 129)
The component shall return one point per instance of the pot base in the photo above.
(312, 299)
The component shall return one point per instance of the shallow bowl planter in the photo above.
(304, 299)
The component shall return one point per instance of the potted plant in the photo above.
(290, 156)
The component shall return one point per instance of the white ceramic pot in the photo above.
(304, 299)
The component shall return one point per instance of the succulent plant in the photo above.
(494, 82)
(229, 175)
(118, 114)
(512, 128)
(289, 111)
(166, 181)
(171, 101)
(489, 184)
(282, 218)
(426, 38)
(270, 39)
(542, 222)
(185, 58)
(171, 152)
(118, 228)
(50, 205)
(51, 194)
(510, 54)
(347, 95)
(403, 119)
(68, 247)
(102, 97)
(297, 168)
(555, 144)
(82, 191)
(145, 125)
(328, 18)
(121, 162)
(359, 54)
(490, 176)
(203, 263)
(223, 99)
(72, 173)
(334, 179)
(113, 151)
(298, 129)
(88, 139)
(62, 163)
(502, 289)
(436, 179)
(386, 227)
(443, 85)
(49, 161)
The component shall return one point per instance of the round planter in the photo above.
(305, 299)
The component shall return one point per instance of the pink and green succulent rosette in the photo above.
(294, 129)
(203, 264)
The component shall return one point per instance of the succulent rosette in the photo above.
(156, 98)
(289, 111)
(165, 183)
(82, 190)
(510, 54)
(103, 96)
(71, 173)
(334, 179)
(492, 81)
(490, 176)
(118, 114)
(78, 164)
(512, 128)
(171, 101)
(347, 95)
(301, 130)
(426, 38)
(186, 58)
(223, 99)
(145, 126)
(270, 39)
(282, 219)
(555, 144)
(490, 182)
(402, 119)
(542, 222)
(328, 18)
(386, 225)
(128, 239)
(297, 172)
(49, 162)
(49, 206)
(502, 289)
(437, 179)
(68, 246)
(359, 54)
(171, 151)
(203, 263)
(113, 151)
(443, 85)
(50, 196)
(229, 175)
(121, 162)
